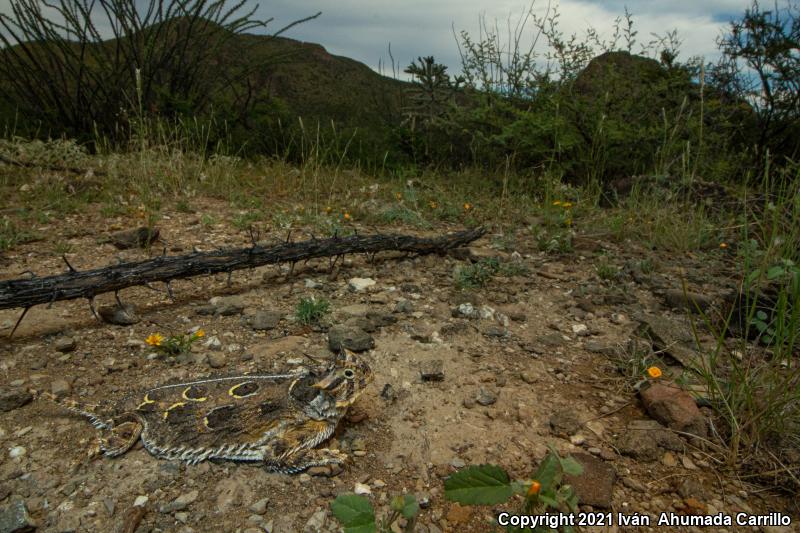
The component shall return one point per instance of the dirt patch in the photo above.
(536, 345)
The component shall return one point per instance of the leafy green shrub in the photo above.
(356, 514)
(311, 310)
(491, 485)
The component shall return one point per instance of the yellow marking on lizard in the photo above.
(185, 397)
(171, 407)
(232, 390)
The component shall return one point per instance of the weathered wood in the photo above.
(89, 283)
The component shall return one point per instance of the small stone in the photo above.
(486, 397)
(469, 403)
(140, 501)
(322, 471)
(674, 407)
(60, 388)
(577, 439)
(565, 423)
(216, 360)
(599, 347)
(14, 518)
(581, 330)
(669, 460)
(457, 462)
(17, 451)
(312, 284)
(350, 337)
(259, 507)
(13, 398)
(688, 464)
(618, 319)
(264, 320)
(360, 284)
(594, 451)
(316, 523)
(182, 517)
(181, 502)
(304, 478)
(432, 370)
(404, 306)
(119, 316)
(633, 484)
(65, 344)
(361, 488)
(213, 343)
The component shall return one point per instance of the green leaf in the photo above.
(479, 485)
(571, 466)
(548, 472)
(355, 513)
(761, 315)
(406, 505)
(776, 272)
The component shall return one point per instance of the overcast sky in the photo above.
(363, 29)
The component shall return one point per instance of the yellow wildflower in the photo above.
(434, 205)
(199, 333)
(557, 202)
(347, 216)
(328, 209)
(154, 339)
(566, 205)
(467, 206)
(723, 245)
(654, 372)
(398, 196)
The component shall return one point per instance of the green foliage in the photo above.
(476, 275)
(606, 270)
(356, 514)
(311, 310)
(491, 485)
(174, 344)
(11, 235)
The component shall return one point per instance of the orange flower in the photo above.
(154, 339)
(434, 205)
(199, 333)
(654, 372)
(347, 216)
(328, 209)
(557, 202)
(534, 488)
(467, 206)
(723, 245)
(398, 196)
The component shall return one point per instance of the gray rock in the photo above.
(643, 440)
(360, 284)
(352, 338)
(60, 388)
(14, 518)
(213, 343)
(595, 486)
(216, 360)
(600, 347)
(119, 316)
(181, 502)
(486, 397)
(432, 370)
(354, 310)
(381, 320)
(404, 306)
(312, 284)
(135, 238)
(13, 398)
(675, 338)
(259, 507)
(565, 423)
(65, 344)
(264, 320)
(493, 330)
(223, 306)
(689, 301)
(316, 523)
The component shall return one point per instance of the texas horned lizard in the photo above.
(273, 419)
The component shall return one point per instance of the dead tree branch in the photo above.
(89, 283)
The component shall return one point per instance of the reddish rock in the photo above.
(674, 407)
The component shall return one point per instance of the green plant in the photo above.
(606, 270)
(11, 235)
(554, 241)
(208, 220)
(243, 221)
(174, 344)
(311, 310)
(356, 514)
(491, 485)
(476, 275)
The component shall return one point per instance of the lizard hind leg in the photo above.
(305, 459)
(121, 436)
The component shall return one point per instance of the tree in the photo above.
(82, 65)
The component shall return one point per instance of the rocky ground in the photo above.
(493, 374)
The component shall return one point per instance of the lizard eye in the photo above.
(349, 374)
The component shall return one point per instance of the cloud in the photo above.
(363, 29)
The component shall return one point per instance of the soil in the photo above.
(542, 350)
